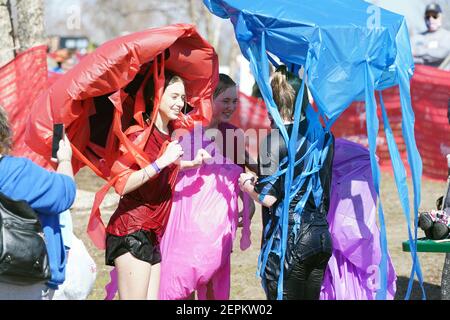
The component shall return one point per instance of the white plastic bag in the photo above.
(81, 273)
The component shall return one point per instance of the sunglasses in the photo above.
(429, 15)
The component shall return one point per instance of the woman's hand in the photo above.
(247, 182)
(65, 150)
(200, 158)
(64, 157)
(173, 154)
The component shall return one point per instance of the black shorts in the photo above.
(142, 244)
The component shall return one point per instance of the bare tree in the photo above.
(111, 18)
(218, 32)
(30, 23)
(7, 43)
(106, 19)
(206, 23)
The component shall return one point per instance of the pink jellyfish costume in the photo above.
(198, 241)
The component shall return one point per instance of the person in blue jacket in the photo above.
(49, 194)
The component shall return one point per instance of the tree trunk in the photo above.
(30, 23)
(6, 34)
(193, 12)
(233, 61)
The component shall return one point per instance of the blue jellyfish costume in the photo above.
(349, 49)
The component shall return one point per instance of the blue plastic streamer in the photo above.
(346, 58)
(372, 132)
(402, 187)
(415, 164)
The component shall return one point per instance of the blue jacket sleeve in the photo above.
(46, 192)
(56, 196)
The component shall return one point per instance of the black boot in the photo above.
(440, 231)
(426, 224)
(425, 221)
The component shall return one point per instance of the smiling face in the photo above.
(225, 105)
(172, 101)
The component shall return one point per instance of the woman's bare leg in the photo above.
(210, 291)
(153, 284)
(191, 296)
(133, 277)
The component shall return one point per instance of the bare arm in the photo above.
(245, 159)
(65, 167)
(64, 156)
(247, 185)
(250, 163)
(141, 177)
(200, 158)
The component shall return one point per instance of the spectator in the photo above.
(49, 194)
(60, 57)
(432, 47)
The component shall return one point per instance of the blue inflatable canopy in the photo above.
(349, 49)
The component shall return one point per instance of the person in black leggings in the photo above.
(309, 249)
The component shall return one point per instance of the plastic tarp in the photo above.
(348, 49)
(430, 93)
(22, 80)
(99, 98)
(197, 244)
(71, 100)
(352, 270)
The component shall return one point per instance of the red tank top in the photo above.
(148, 207)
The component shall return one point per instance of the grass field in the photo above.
(245, 284)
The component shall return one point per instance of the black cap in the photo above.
(433, 7)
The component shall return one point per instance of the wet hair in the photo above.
(5, 133)
(225, 82)
(149, 89)
(285, 87)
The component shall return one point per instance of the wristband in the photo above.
(155, 167)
